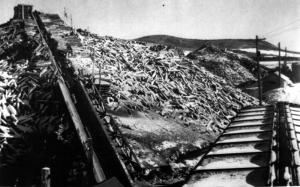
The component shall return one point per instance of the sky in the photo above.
(277, 20)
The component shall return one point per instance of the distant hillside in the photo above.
(193, 44)
(236, 69)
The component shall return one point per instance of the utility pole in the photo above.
(258, 69)
(71, 22)
(99, 66)
(285, 60)
(93, 67)
(279, 65)
(23, 14)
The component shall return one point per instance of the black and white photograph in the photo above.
(149, 93)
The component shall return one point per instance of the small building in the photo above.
(23, 11)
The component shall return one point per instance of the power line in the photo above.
(281, 27)
(283, 31)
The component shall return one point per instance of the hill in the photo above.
(193, 44)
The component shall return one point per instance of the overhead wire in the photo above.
(282, 27)
(283, 31)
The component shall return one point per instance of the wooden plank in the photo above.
(45, 177)
(98, 171)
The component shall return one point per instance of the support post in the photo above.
(258, 71)
(93, 67)
(71, 22)
(285, 60)
(45, 177)
(279, 65)
(99, 66)
(23, 16)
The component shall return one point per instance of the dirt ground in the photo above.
(158, 140)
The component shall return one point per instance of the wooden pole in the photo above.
(45, 177)
(72, 23)
(285, 60)
(99, 66)
(279, 65)
(93, 67)
(82, 133)
(258, 71)
(22, 12)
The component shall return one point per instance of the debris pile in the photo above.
(142, 79)
(35, 129)
(158, 83)
(235, 68)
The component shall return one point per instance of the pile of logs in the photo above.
(142, 79)
(27, 102)
(133, 76)
(33, 118)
